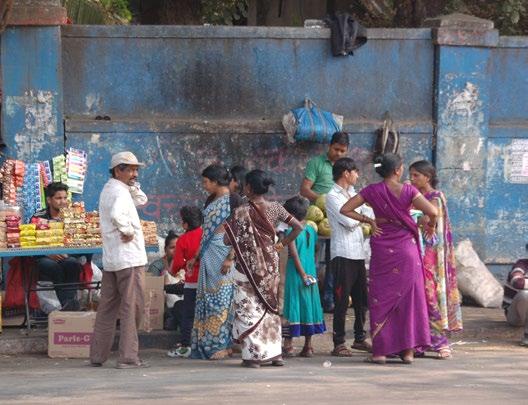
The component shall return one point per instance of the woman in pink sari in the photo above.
(443, 298)
(399, 322)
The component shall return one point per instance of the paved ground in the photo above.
(488, 367)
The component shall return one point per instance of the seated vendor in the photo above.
(58, 268)
(515, 301)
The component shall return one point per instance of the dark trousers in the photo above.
(65, 271)
(350, 281)
(187, 318)
(328, 283)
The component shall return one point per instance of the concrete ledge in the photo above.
(461, 37)
(508, 129)
(513, 42)
(222, 32)
(257, 126)
(15, 341)
(463, 30)
(44, 13)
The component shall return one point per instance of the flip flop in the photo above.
(342, 351)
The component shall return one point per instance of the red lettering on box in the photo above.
(72, 338)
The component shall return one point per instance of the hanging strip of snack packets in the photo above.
(76, 166)
(59, 169)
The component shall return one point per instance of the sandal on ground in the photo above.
(287, 351)
(220, 355)
(362, 345)
(444, 353)
(250, 364)
(372, 360)
(306, 352)
(278, 363)
(341, 351)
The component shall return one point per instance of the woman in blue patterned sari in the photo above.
(211, 335)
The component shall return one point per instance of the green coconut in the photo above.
(313, 225)
(320, 202)
(324, 227)
(314, 214)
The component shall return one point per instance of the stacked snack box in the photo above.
(47, 233)
(12, 178)
(9, 220)
(73, 217)
(81, 228)
(93, 229)
(28, 235)
(12, 231)
(150, 232)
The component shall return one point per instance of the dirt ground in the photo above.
(488, 366)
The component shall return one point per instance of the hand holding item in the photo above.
(226, 266)
(279, 246)
(430, 232)
(309, 280)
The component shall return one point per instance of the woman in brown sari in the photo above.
(251, 232)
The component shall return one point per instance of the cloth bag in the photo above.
(310, 123)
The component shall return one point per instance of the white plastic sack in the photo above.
(48, 299)
(171, 299)
(474, 279)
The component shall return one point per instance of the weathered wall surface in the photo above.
(183, 97)
(507, 194)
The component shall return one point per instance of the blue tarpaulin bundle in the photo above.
(310, 123)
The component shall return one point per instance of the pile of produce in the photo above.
(316, 216)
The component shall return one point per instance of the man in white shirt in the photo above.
(124, 260)
(347, 259)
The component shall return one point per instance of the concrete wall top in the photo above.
(221, 32)
(234, 73)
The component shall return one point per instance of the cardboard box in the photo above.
(70, 334)
(154, 303)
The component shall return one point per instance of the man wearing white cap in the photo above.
(124, 260)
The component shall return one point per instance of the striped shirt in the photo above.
(347, 236)
(517, 281)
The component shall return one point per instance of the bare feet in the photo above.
(407, 356)
(444, 353)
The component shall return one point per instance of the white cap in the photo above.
(125, 158)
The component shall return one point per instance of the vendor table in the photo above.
(59, 250)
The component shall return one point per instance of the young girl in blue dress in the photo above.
(302, 305)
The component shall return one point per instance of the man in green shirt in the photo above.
(318, 179)
(318, 174)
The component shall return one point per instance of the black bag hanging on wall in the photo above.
(347, 34)
(387, 138)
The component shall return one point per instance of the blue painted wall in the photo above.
(183, 97)
(32, 123)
